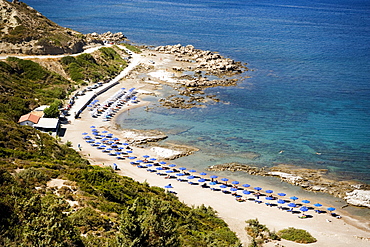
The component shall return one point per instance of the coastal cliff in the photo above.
(23, 30)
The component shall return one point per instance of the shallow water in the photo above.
(309, 90)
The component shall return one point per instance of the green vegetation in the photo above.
(53, 110)
(25, 85)
(132, 48)
(86, 67)
(112, 210)
(259, 233)
(297, 235)
(33, 26)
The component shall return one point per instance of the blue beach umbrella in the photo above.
(269, 198)
(246, 185)
(171, 165)
(139, 161)
(182, 168)
(331, 209)
(292, 205)
(281, 201)
(212, 183)
(132, 157)
(224, 179)
(102, 146)
(269, 191)
(169, 171)
(93, 127)
(146, 156)
(180, 174)
(95, 130)
(202, 180)
(129, 151)
(149, 165)
(202, 173)
(317, 205)
(95, 133)
(159, 168)
(233, 189)
(223, 186)
(294, 198)
(104, 139)
(109, 149)
(98, 143)
(190, 177)
(213, 176)
(281, 194)
(303, 209)
(87, 137)
(192, 170)
(104, 131)
(117, 153)
(152, 159)
(305, 201)
(126, 144)
(168, 186)
(85, 133)
(246, 192)
(258, 188)
(162, 163)
(235, 182)
(115, 139)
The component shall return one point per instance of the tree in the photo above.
(53, 110)
(131, 232)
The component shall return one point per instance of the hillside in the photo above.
(23, 30)
(97, 207)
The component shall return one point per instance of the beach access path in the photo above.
(82, 101)
(327, 230)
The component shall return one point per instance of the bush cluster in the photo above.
(297, 235)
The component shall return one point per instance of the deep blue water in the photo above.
(309, 90)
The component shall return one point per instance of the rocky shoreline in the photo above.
(355, 193)
(191, 75)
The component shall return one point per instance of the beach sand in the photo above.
(328, 230)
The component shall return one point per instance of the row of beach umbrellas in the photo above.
(111, 141)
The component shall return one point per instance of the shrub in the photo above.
(297, 235)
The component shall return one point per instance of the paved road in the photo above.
(82, 101)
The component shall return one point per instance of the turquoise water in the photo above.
(309, 90)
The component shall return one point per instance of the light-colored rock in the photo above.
(166, 153)
(359, 198)
(286, 176)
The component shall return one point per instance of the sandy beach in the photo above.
(328, 230)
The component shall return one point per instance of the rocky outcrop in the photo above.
(107, 37)
(353, 192)
(203, 60)
(23, 30)
(359, 198)
(138, 137)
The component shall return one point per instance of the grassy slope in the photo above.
(109, 202)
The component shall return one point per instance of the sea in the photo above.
(306, 100)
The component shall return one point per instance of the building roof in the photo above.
(41, 108)
(30, 117)
(47, 123)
